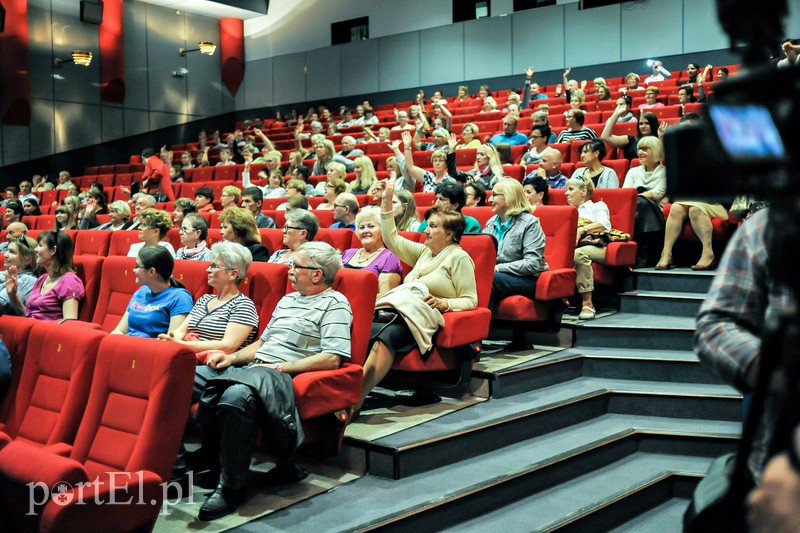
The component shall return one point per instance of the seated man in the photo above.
(349, 147)
(452, 196)
(230, 418)
(510, 134)
(659, 73)
(576, 131)
(550, 169)
(540, 119)
(13, 231)
(345, 209)
(252, 198)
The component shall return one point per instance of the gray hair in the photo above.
(323, 256)
(123, 208)
(199, 223)
(151, 200)
(370, 212)
(305, 219)
(233, 256)
(540, 114)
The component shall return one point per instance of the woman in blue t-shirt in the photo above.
(161, 304)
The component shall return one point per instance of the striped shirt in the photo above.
(302, 326)
(583, 134)
(210, 325)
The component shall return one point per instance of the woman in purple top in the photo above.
(58, 291)
(373, 255)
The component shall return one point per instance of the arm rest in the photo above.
(555, 284)
(59, 448)
(25, 464)
(324, 391)
(464, 327)
(621, 254)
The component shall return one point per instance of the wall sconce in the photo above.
(205, 47)
(79, 57)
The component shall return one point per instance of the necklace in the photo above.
(361, 260)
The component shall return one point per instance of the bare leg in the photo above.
(379, 362)
(677, 214)
(701, 224)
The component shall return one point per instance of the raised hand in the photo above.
(452, 141)
(11, 280)
(529, 72)
(621, 109)
(406, 135)
(567, 71)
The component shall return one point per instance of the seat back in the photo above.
(14, 332)
(483, 251)
(272, 238)
(193, 275)
(481, 213)
(54, 384)
(268, 283)
(89, 269)
(117, 285)
(93, 242)
(338, 238)
(361, 290)
(121, 241)
(136, 412)
(559, 223)
(621, 205)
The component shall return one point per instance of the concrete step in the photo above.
(672, 303)
(480, 428)
(634, 330)
(674, 280)
(666, 516)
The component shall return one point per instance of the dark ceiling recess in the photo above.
(91, 12)
(258, 6)
(522, 5)
(2, 18)
(589, 4)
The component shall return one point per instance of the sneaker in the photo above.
(587, 313)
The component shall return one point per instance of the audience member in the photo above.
(404, 209)
(204, 198)
(550, 169)
(428, 179)
(451, 197)
(659, 73)
(475, 194)
(538, 141)
(194, 232)
(647, 126)
(26, 192)
(333, 187)
(31, 207)
(155, 178)
(64, 181)
(631, 83)
(593, 217)
(153, 227)
(521, 240)
(230, 197)
(252, 199)
(239, 225)
(469, 136)
(301, 227)
(66, 218)
(576, 131)
(488, 168)
(373, 255)
(345, 209)
(510, 134)
(651, 99)
(365, 175)
(699, 215)
(537, 190)
(14, 212)
(326, 154)
(161, 304)
(182, 207)
(20, 264)
(602, 177)
(349, 147)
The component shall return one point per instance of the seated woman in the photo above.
(95, 205)
(537, 189)
(475, 194)
(161, 304)
(301, 227)
(326, 154)
(274, 187)
(489, 105)
(650, 181)
(651, 99)
(521, 240)
(153, 227)
(57, 292)
(441, 265)
(194, 232)
(20, 265)
(451, 197)
(239, 225)
(428, 179)
(699, 215)
(31, 207)
(488, 167)
(14, 212)
(223, 321)
(119, 213)
(592, 154)
(631, 83)
(365, 176)
(469, 137)
(404, 208)
(183, 207)
(66, 218)
(333, 187)
(373, 255)
(230, 197)
(647, 127)
(593, 217)
(204, 198)
(540, 134)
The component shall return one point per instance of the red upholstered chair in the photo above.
(121, 241)
(272, 238)
(53, 386)
(193, 275)
(338, 238)
(129, 435)
(325, 217)
(226, 173)
(481, 213)
(452, 355)
(14, 332)
(89, 269)
(117, 285)
(560, 225)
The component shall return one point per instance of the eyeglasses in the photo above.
(537, 137)
(187, 230)
(295, 266)
(215, 267)
(335, 205)
(298, 228)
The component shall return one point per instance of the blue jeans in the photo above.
(505, 285)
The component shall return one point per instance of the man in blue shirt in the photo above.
(510, 134)
(345, 209)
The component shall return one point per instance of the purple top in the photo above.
(385, 263)
(48, 306)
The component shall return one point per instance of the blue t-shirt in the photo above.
(149, 314)
(513, 140)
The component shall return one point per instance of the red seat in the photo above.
(514, 171)
(93, 242)
(272, 238)
(560, 225)
(338, 238)
(132, 425)
(121, 241)
(14, 332)
(193, 275)
(117, 285)
(268, 283)
(202, 174)
(226, 173)
(451, 352)
(272, 203)
(89, 269)
(424, 199)
(481, 213)
(325, 217)
(721, 228)
(53, 387)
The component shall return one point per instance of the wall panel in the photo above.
(324, 74)
(591, 36)
(360, 67)
(16, 143)
(398, 56)
(288, 81)
(137, 86)
(43, 128)
(76, 125)
(701, 28)
(651, 29)
(487, 43)
(40, 39)
(257, 87)
(204, 94)
(441, 55)
(538, 39)
(113, 122)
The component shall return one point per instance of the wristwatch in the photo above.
(278, 367)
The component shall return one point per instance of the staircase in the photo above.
(611, 434)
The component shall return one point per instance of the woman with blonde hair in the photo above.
(404, 208)
(520, 238)
(373, 256)
(333, 188)
(488, 167)
(66, 218)
(365, 175)
(326, 154)
(489, 105)
(230, 197)
(239, 226)
(153, 227)
(469, 136)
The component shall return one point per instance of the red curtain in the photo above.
(112, 52)
(231, 33)
(15, 82)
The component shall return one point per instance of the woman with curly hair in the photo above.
(239, 226)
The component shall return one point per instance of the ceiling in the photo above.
(207, 8)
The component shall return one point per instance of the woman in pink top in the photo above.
(57, 292)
